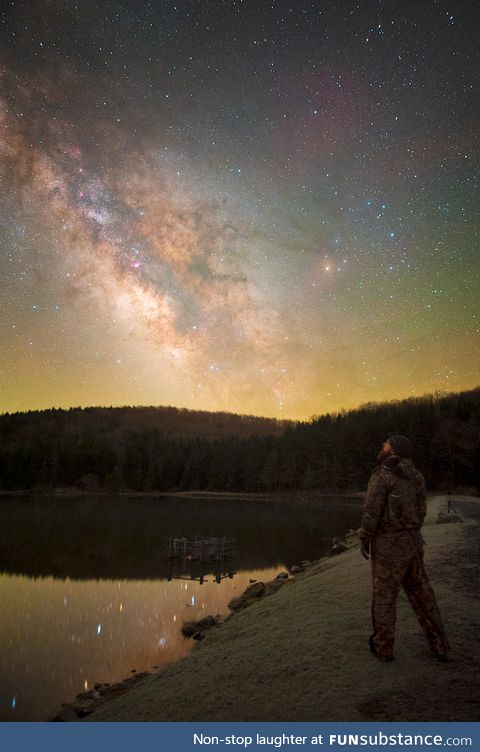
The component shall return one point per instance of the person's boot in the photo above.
(379, 656)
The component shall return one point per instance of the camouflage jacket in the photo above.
(395, 499)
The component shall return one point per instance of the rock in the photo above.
(252, 580)
(83, 708)
(274, 585)
(198, 636)
(189, 628)
(296, 570)
(338, 548)
(86, 702)
(236, 604)
(335, 541)
(207, 622)
(101, 686)
(256, 590)
(248, 597)
(66, 715)
(83, 695)
(306, 563)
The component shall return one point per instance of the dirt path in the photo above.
(302, 654)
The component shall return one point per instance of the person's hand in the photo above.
(365, 549)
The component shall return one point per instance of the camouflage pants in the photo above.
(397, 561)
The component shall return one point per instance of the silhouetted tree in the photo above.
(167, 449)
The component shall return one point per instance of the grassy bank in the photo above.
(302, 654)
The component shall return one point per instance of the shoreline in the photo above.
(87, 702)
(294, 497)
(308, 644)
(280, 496)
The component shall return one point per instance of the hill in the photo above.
(168, 449)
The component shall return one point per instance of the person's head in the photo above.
(385, 451)
(398, 445)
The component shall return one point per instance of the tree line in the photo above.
(168, 450)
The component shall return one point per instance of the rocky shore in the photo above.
(302, 654)
(85, 703)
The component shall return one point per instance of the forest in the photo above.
(167, 449)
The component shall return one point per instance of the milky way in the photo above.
(265, 208)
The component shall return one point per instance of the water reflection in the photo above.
(88, 593)
(199, 570)
(198, 557)
(120, 538)
(59, 637)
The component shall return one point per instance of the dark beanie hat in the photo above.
(401, 445)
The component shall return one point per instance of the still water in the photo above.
(88, 595)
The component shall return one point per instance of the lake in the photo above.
(88, 594)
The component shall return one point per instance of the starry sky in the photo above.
(260, 207)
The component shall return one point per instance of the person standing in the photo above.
(393, 514)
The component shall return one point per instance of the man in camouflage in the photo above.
(393, 514)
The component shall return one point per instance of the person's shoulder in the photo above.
(391, 464)
(384, 473)
(386, 467)
(378, 473)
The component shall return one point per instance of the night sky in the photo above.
(260, 207)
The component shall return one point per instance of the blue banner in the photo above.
(187, 737)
